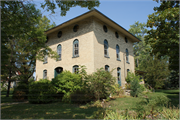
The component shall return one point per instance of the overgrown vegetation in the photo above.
(41, 91)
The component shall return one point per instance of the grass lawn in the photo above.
(61, 110)
(129, 102)
(46, 111)
(5, 99)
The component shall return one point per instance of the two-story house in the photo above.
(93, 40)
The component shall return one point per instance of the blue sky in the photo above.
(123, 12)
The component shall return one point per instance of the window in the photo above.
(126, 40)
(59, 34)
(105, 28)
(127, 56)
(59, 52)
(45, 74)
(76, 48)
(57, 71)
(106, 68)
(116, 34)
(106, 48)
(119, 76)
(117, 52)
(75, 69)
(45, 59)
(128, 71)
(76, 27)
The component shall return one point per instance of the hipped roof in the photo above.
(99, 15)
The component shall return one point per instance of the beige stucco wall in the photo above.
(85, 37)
(91, 49)
(101, 61)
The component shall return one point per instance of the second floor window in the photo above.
(127, 56)
(45, 59)
(117, 52)
(59, 52)
(106, 48)
(76, 48)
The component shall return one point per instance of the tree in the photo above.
(157, 70)
(66, 5)
(23, 38)
(164, 39)
(141, 50)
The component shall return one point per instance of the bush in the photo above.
(21, 92)
(41, 91)
(66, 84)
(149, 104)
(19, 95)
(101, 83)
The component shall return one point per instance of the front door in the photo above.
(119, 76)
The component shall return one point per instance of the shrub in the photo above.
(135, 88)
(19, 95)
(3, 86)
(118, 90)
(67, 83)
(149, 104)
(100, 83)
(41, 91)
(21, 88)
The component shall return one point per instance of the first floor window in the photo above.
(119, 75)
(45, 74)
(75, 69)
(106, 68)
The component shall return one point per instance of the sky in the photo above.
(123, 12)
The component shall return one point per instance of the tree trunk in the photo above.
(9, 83)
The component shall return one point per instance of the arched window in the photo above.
(59, 52)
(45, 59)
(127, 71)
(119, 75)
(75, 69)
(127, 56)
(107, 68)
(44, 74)
(126, 39)
(76, 48)
(57, 71)
(106, 48)
(117, 52)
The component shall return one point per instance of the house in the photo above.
(93, 40)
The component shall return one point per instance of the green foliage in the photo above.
(157, 71)
(149, 104)
(67, 83)
(41, 91)
(171, 113)
(18, 93)
(66, 5)
(133, 80)
(3, 86)
(164, 39)
(118, 90)
(100, 83)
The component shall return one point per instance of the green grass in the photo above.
(129, 102)
(46, 111)
(5, 99)
(61, 110)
